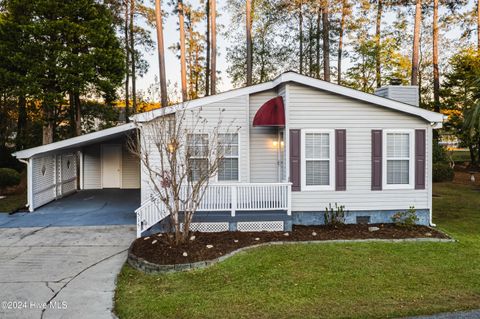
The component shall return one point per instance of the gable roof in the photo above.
(291, 76)
(74, 142)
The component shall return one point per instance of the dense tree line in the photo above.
(66, 64)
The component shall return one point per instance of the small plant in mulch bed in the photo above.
(406, 218)
(334, 216)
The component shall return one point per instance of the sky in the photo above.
(171, 36)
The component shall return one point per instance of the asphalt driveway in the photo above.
(61, 261)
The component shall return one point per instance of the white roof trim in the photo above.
(301, 79)
(74, 141)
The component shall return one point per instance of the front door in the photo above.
(111, 161)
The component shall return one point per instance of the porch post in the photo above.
(289, 199)
(30, 203)
(234, 199)
(80, 165)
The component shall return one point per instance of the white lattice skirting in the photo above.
(208, 227)
(260, 226)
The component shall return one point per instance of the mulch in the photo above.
(159, 249)
(463, 175)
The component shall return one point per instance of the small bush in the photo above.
(407, 218)
(442, 172)
(334, 216)
(439, 153)
(9, 177)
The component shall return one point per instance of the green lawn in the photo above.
(12, 202)
(367, 280)
(461, 156)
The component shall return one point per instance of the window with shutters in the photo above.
(228, 148)
(398, 154)
(318, 160)
(197, 150)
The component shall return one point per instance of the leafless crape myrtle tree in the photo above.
(181, 153)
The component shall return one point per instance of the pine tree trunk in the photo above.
(310, 47)
(78, 114)
(127, 62)
(378, 27)
(183, 67)
(213, 13)
(326, 42)
(436, 73)
(191, 63)
(478, 25)
(416, 41)
(249, 41)
(300, 25)
(48, 123)
(132, 53)
(21, 123)
(161, 53)
(340, 41)
(319, 19)
(207, 50)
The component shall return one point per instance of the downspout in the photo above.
(29, 183)
(434, 125)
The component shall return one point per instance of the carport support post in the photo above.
(29, 163)
(80, 165)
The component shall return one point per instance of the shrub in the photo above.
(406, 218)
(442, 172)
(439, 154)
(9, 177)
(334, 216)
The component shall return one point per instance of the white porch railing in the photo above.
(223, 197)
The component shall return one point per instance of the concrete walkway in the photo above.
(69, 271)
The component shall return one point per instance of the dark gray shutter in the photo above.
(420, 159)
(376, 160)
(295, 160)
(340, 160)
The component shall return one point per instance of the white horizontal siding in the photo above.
(92, 166)
(130, 169)
(233, 116)
(405, 94)
(314, 109)
(263, 155)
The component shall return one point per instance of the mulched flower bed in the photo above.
(157, 248)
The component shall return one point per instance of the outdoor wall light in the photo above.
(275, 143)
(172, 146)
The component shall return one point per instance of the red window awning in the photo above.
(271, 113)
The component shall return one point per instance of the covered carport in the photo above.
(94, 161)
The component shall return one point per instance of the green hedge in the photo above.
(442, 172)
(9, 177)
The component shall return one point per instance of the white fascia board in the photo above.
(301, 79)
(148, 116)
(74, 141)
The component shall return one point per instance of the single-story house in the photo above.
(302, 144)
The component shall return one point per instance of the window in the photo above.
(317, 160)
(228, 148)
(398, 159)
(197, 150)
